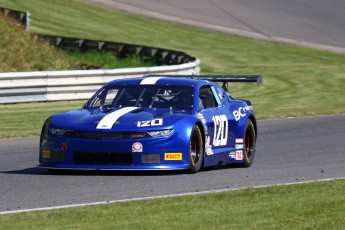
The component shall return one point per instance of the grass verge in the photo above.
(318, 205)
(105, 60)
(27, 119)
(297, 81)
(21, 51)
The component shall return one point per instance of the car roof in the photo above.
(160, 80)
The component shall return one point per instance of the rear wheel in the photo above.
(196, 150)
(249, 144)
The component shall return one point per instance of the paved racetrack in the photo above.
(288, 150)
(294, 21)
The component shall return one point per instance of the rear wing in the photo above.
(224, 79)
(229, 78)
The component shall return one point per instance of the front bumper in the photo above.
(58, 152)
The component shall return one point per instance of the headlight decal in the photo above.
(58, 132)
(160, 133)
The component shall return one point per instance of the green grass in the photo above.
(27, 119)
(105, 60)
(318, 205)
(21, 51)
(297, 81)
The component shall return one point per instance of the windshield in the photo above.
(147, 96)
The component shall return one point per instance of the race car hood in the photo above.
(122, 119)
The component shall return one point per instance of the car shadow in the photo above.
(65, 172)
(58, 172)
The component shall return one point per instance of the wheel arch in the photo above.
(253, 120)
(202, 129)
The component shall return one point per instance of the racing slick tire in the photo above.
(196, 150)
(249, 144)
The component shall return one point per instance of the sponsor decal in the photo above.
(109, 120)
(64, 147)
(203, 120)
(241, 112)
(232, 154)
(45, 153)
(239, 155)
(150, 80)
(208, 147)
(239, 146)
(220, 136)
(137, 147)
(155, 122)
(201, 116)
(239, 140)
(172, 156)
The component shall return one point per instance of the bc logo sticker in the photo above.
(241, 112)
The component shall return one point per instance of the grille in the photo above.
(105, 135)
(102, 158)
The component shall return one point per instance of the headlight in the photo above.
(160, 133)
(59, 132)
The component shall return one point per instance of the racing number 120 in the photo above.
(220, 136)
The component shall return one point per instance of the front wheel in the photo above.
(196, 150)
(249, 144)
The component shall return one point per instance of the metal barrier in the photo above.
(22, 87)
(73, 85)
(22, 17)
(122, 50)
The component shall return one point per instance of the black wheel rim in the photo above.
(249, 141)
(194, 150)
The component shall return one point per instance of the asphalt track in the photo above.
(311, 23)
(288, 150)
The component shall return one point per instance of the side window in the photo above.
(207, 98)
(220, 91)
(104, 98)
(110, 96)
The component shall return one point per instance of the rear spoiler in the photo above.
(222, 78)
(229, 78)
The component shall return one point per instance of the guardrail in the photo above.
(158, 56)
(22, 17)
(73, 85)
(19, 87)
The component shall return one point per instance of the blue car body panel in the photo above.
(149, 137)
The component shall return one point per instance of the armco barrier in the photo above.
(73, 85)
(122, 50)
(22, 17)
(81, 84)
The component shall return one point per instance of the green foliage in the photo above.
(19, 51)
(318, 205)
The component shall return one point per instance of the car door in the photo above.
(216, 120)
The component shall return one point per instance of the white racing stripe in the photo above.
(109, 120)
(150, 80)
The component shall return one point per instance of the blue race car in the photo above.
(154, 123)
